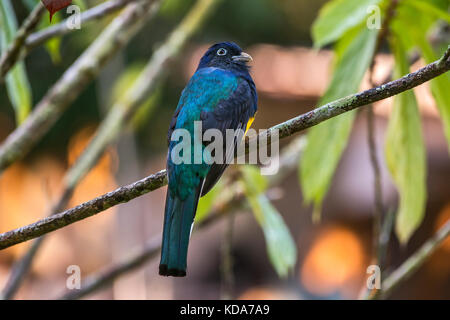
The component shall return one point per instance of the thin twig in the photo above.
(385, 236)
(90, 15)
(286, 129)
(11, 54)
(371, 141)
(378, 191)
(413, 263)
(108, 275)
(351, 102)
(114, 37)
(74, 80)
(143, 86)
(226, 266)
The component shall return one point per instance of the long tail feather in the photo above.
(178, 219)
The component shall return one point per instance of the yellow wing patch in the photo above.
(249, 124)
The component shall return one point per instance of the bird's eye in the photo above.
(221, 52)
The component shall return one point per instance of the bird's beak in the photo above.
(245, 57)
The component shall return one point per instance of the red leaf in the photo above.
(55, 5)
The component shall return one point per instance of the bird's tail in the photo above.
(178, 219)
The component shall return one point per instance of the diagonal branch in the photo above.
(226, 206)
(110, 128)
(66, 89)
(413, 263)
(84, 210)
(11, 54)
(363, 98)
(286, 129)
(108, 275)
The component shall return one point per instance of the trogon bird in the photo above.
(222, 95)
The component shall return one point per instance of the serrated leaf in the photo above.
(337, 17)
(405, 153)
(17, 84)
(327, 141)
(281, 247)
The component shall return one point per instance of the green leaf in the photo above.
(17, 84)
(120, 89)
(81, 4)
(440, 90)
(413, 26)
(405, 153)
(337, 17)
(426, 7)
(206, 202)
(327, 141)
(281, 247)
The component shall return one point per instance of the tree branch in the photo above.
(107, 276)
(413, 263)
(288, 162)
(286, 129)
(143, 86)
(360, 99)
(65, 90)
(371, 141)
(37, 38)
(11, 55)
(82, 211)
(110, 128)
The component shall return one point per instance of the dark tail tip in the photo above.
(164, 271)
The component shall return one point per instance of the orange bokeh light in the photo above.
(335, 259)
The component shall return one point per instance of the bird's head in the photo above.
(225, 55)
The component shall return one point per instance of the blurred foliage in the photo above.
(337, 17)
(207, 202)
(414, 35)
(353, 54)
(52, 45)
(286, 23)
(281, 247)
(281, 26)
(405, 152)
(17, 83)
(120, 87)
(327, 141)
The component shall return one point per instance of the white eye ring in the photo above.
(221, 52)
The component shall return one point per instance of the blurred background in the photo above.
(290, 77)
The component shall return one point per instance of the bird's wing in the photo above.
(221, 101)
(235, 112)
